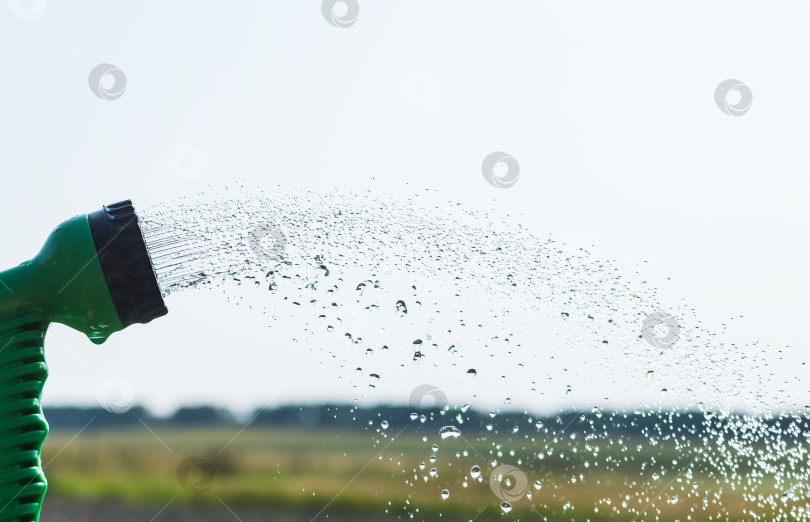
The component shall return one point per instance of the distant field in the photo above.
(298, 474)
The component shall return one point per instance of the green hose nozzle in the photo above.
(94, 275)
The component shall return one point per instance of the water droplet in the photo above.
(414, 416)
(465, 407)
(384, 424)
(475, 471)
(506, 507)
(433, 472)
(374, 376)
(445, 494)
(435, 448)
(361, 288)
(449, 431)
(537, 484)
(402, 310)
(472, 372)
(421, 465)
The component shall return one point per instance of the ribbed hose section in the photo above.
(22, 425)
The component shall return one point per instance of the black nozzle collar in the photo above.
(126, 265)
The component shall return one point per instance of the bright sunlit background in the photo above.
(609, 109)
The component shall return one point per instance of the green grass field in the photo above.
(358, 471)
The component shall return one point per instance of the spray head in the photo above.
(125, 263)
(93, 274)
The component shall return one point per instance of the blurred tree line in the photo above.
(678, 424)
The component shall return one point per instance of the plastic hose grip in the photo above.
(22, 426)
(86, 277)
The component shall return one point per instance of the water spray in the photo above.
(94, 274)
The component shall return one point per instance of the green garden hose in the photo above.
(94, 275)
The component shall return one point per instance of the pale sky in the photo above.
(609, 110)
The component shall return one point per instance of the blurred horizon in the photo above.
(347, 463)
(349, 415)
